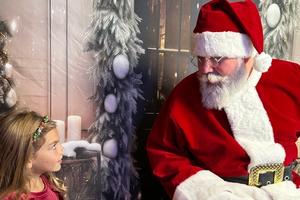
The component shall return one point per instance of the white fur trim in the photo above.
(251, 126)
(227, 44)
(195, 187)
(262, 62)
(285, 190)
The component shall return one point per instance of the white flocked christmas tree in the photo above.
(8, 97)
(279, 18)
(112, 38)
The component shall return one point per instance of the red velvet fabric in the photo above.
(241, 17)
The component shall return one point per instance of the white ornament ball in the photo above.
(110, 103)
(14, 25)
(11, 98)
(273, 15)
(121, 66)
(8, 70)
(110, 148)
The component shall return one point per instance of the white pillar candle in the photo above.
(74, 127)
(60, 126)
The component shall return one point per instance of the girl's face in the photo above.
(48, 158)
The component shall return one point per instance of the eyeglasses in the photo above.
(196, 60)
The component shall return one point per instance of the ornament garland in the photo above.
(112, 37)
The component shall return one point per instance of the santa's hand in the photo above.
(205, 185)
(282, 191)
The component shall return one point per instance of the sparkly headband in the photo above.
(39, 130)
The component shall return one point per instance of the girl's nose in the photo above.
(61, 149)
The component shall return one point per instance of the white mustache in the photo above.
(213, 78)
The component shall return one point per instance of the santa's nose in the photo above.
(206, 66)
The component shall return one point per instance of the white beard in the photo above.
(217, 90)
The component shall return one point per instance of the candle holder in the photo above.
(82, 175)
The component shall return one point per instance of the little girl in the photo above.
(29, 151)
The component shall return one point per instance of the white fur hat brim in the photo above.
(228, 44)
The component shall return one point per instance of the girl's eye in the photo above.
(53, 147)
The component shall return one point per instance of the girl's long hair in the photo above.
(17, 147)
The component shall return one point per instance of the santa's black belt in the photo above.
(262, 175)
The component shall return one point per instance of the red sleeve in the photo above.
(167, 152)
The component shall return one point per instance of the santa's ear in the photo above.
(249, 62)
(248, 59)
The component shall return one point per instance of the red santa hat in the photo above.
(231, 28)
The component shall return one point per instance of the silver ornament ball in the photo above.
(110, 148)
(8, 70)
(11, 98)
(121, 66)
(273, 15)
(110, 103)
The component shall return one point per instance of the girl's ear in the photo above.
(29, 164)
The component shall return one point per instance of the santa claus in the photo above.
(229, 130)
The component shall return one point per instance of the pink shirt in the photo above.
(46, 194)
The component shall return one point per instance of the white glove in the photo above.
(236, 191)
(285, 190)
(205, 185)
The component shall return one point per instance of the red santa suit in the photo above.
(193, 150)
(188, 138)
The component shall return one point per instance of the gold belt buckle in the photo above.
(277, 168)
